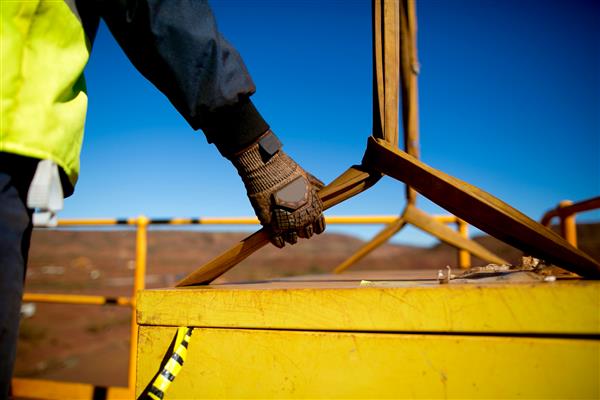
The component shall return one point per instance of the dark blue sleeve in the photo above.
(176, 45)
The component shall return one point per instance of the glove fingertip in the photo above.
(278, 241)
(319, 225)
(308, 231)
(291, 237)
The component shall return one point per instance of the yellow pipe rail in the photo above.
(568, 226)
(141, 222)
(394, 225)
(89, 221)
(464, 257)
(47, 389)
(332, 220)
(139, 282)
(566, 212)
(75, 299)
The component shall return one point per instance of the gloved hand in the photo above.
(283, 195)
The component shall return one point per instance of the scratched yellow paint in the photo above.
(339, 340)
(236, 363)
(559, 307)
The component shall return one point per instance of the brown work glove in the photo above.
(283, 195)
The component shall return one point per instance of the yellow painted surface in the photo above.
(237, 363)
(563, 307)
(320, 338)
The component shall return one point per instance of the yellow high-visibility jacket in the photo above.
(43, 48)
(46, 44)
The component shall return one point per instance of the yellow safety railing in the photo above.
(37, 388)
(565, 212)
(46, 389)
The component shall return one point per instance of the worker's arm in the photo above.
(176, 45)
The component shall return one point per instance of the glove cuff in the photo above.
(263, 165)
(234, 127)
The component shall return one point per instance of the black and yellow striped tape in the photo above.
(173, 366)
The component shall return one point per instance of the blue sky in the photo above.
(509, 101)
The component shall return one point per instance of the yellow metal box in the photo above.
(397, 336)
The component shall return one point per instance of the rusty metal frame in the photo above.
(394, 19)
(393, 52)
